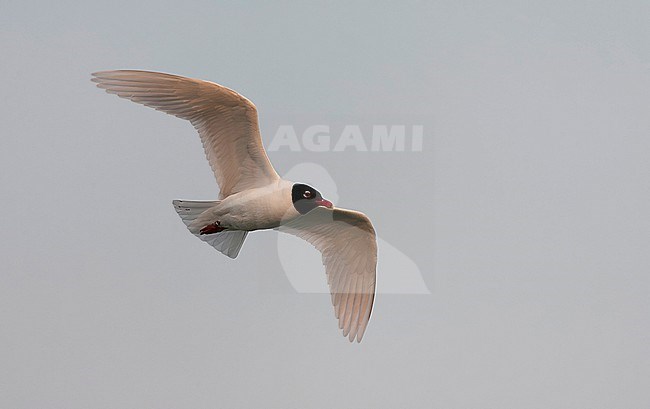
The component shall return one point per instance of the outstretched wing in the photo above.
(226, 121)
(348, 244)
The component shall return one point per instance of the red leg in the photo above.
(212, 228)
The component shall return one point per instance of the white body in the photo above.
(254, 209)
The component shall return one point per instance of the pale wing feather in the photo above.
(348, 245)
(225, 120)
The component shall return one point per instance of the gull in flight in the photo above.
(252, 196)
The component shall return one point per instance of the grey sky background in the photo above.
(526, 211)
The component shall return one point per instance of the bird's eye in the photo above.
(307, 194)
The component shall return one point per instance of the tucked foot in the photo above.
(212, 228)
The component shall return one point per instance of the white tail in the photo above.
(228, 242)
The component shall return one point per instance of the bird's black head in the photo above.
(305, 198)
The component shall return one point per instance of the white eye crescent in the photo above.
(307, 194)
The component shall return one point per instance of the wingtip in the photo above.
(110, 74)
(354, 337)
(98, 74)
